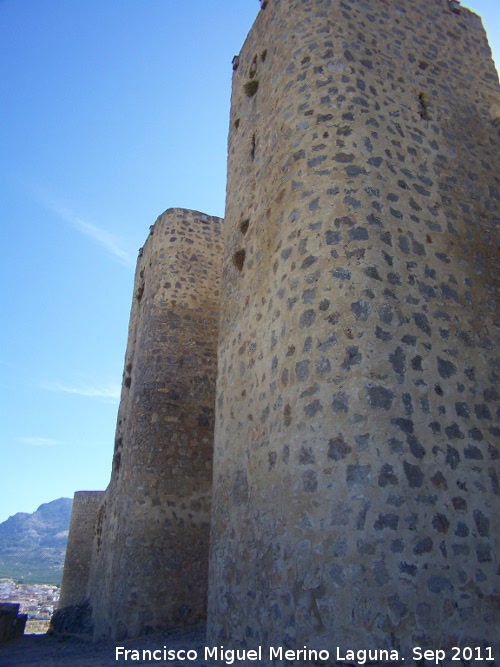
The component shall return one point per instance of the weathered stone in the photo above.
(446, 368)
(340, 402)
(390, 521)
(422, 322)
(338, 449)
(302, 370)
(424, 546)
(85, 535)
(12, 623)
(483, 553)
(73, 619)
(413, 474)
(240, 488)
(387, 475)
(358, 475)
(439, 584)
(149, 568)
(361, 310)
(452, 457)
(440, 523)
(482, 523)
(380, 397)
(309, 481)
(369, 182)
(352, 357)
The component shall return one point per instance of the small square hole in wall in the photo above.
(239, 259)
(251, 87)
(424, 110)
(252, 147)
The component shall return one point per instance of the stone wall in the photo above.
(149, 569)
(86, 505)
(12, 623)
(356, 447)
(73, 615)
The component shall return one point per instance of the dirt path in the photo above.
(47, 651)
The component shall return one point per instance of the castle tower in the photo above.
(74, 612)
(84, 511)
(355, 498)
(149, 567)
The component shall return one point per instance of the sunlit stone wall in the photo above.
(356, 486)
(150, 564)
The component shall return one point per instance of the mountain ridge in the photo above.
(33, 546)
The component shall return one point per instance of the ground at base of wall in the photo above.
(68, 651)
(71, 651)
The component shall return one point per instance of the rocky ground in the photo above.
(48, 651)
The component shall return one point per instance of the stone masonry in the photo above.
(74, 612)
(86, 505)
(354, 500)
(355, 495)
(12, 623)
(150, 543)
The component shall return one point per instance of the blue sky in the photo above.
(111, 112)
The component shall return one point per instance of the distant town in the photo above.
(36, 600)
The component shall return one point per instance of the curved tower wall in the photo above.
(355, 497)
(151, 553)
(86, 505)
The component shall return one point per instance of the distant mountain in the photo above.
(32, 546)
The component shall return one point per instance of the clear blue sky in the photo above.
(111, 112)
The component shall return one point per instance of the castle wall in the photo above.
(355, 498)
(86, 505)
(149, 569)
(12, 623)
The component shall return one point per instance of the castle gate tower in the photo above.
(356, 486)
(149, 569)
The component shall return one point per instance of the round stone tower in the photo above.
(149, 568)
(355, 498)
(78, 557)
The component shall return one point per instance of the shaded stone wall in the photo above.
(86, 505)
(356, 452)
(12, 623)
(149, 569)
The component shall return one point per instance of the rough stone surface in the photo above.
(355, 481)
(150, 560)
(12, 623)
(357, 430)
(84, 511)
(75, 619)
